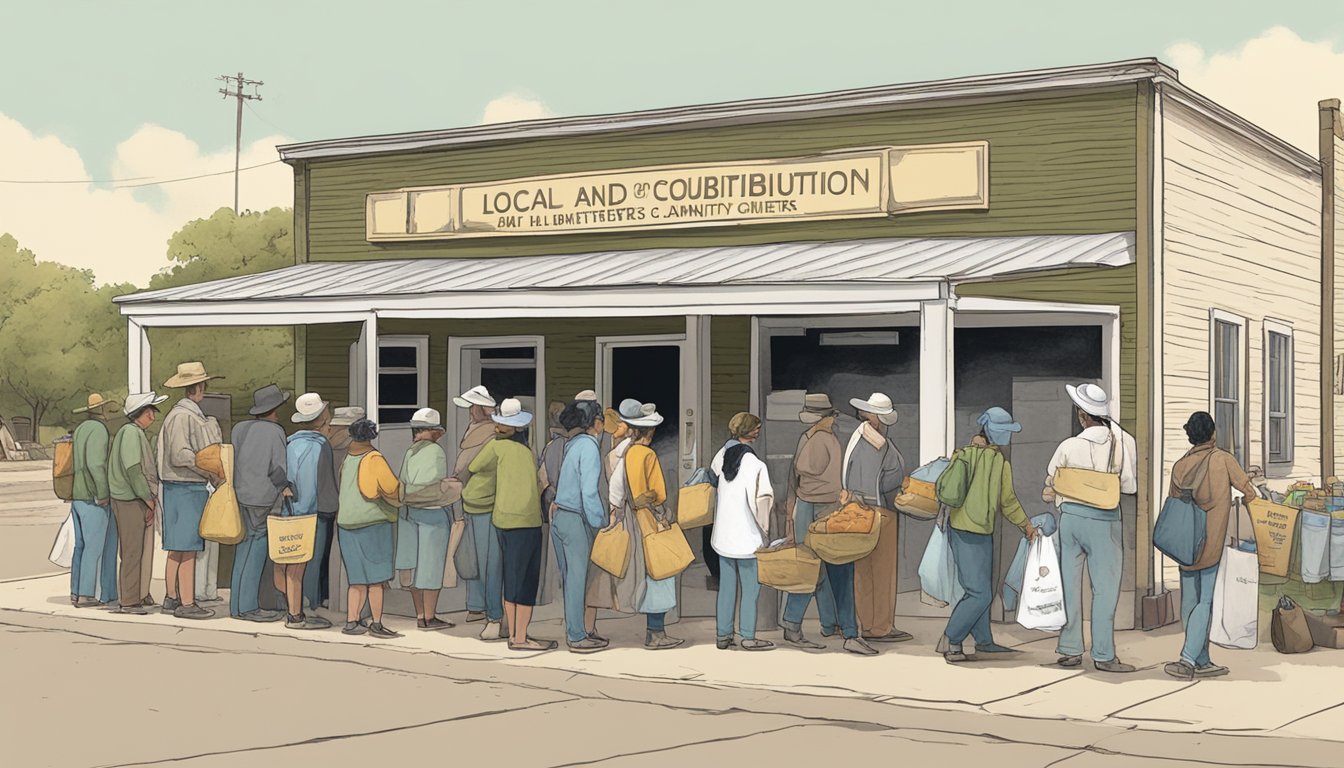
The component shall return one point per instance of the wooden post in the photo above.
(1330, 128)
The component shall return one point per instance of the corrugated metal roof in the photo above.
(799, 263)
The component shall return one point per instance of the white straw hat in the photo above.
(879, 404)
(1091, 398)
(477, 395)
(511, 414)
(141, 400)
(308, 407)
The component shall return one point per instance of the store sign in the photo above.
(841, 185)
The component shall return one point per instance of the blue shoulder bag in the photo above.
(1182, 524)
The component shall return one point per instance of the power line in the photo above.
(117, 185)
(263, 119)
(239, 83)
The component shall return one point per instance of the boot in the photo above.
(659, 641)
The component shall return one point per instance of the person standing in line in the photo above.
(424, 523)
(645, 490)
(579, 512)
(186, 431)
(873, 472)
(485, 592)
(317, 581)
(971, 532)
(366, 528)
(261, 481)
(94, 571)
(504, 480)
(561, 429)
(133, 485)
(310, 467)
(1213, 494)
(605, 591)
(814, 492)
(742, 511)
(1088, 534)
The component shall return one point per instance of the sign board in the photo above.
(1275, 525)
(840, 185)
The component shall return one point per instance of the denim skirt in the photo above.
(367, 553)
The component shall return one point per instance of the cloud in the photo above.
(122, 234)
(1274, 80)
(512, 107)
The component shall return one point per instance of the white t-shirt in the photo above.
(1092, 450)
(742, 508)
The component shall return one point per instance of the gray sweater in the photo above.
(873, 470)
(259, 462)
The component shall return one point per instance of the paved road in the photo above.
(30, 516)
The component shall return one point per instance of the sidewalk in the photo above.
(1267, 694)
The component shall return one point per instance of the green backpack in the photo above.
(954, 485)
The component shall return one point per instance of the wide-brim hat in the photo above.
(879, 404)
(477, 395)
(815, 408)
(638, 414)
(511, 414)
(96, 402)
(426, 418)
(1090, 398)
(188, 374)
(142, 400)
(344, 417)
(267, 399)
(307, 407)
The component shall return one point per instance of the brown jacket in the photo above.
(1214, 495)
(818, 465)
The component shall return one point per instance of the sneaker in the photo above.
(757, 645)
(171, 604)
(956, 657)
(1114, 665)
(434, 625)
(532, 644)
(493, 632)
(316, 622)
(659, 641)
(354, 628)
(586, 645)
(795, 638)
(595, 636)
(260, 615)
(131, 610)
(1070, 661)
(1211, 670)
(894, 636)
(858, 646)
(295, 622)
(475, 616)
(89, 602)
(378, 630)
(1180, 670)
(724, 643)
(149, 602)
(192, 611)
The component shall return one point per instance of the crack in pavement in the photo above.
(674, 747)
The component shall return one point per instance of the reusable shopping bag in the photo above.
(1042, 605)
(1314, 544)
(938, 569)
(456, 532)
(63, 469)
(1337, 546)
(1275, 527)
(291, 538)
(1288, 628)
(222, 520)
(1181, 525)
(667, 553)
(63, 549)
(1091, 487)
(695, 501)
(789, 568)
(1236, 600)
(464, 559)
(611, 550)
(841, 548)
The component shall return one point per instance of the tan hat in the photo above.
(816, 406)
(188, 374)
(344, 417)
(96, 401)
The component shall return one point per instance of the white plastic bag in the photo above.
(1042, 603)
(63, 550)
(938, 571)
(1236, 600)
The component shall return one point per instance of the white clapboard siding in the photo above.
(1241, 234)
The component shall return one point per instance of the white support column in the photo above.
(937, 408)
(137, 357)
(369, 340)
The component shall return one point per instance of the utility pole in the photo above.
(239, 84)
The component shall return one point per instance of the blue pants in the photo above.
(974, 556)
(312, 575)
(655, 622)
(486, 593)
(795, 606)
(573, 539)
(78, 553)
(1197, 614)
(95, 551)
(842, 587)
(249, 561)
(733, 571)
(1089, 539)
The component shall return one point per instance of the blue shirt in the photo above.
(312, 469)
(580, 479)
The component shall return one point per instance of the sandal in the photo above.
(757, 645)
(534, 645)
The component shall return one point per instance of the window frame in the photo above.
(420, 344)
(1239, 432)
(1284, 462)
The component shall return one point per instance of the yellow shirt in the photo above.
(376, 479)
(644, 473)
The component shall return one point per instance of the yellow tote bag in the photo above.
(611, 550)
(291, 539)
(695, 505)
(667, 553)
(222, 521)
(1095, 489)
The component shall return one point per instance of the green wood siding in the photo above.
(1059, 164)
(729, 372)
(1097, 285)
(327, 360)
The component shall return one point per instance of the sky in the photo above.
(127, 90)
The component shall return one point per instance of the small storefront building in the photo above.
(955, 245)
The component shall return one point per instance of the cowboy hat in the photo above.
(477, 395)
(96, 401)
(267, 399)
(511, 414)
(344, 417)
(815, 408)
(1090, 398)
(638, 414)
(142, 400)
(308, 407)
(426, 418)
(879, 404)
(188, 374)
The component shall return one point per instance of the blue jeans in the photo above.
(1197, 614)
(795, 606)
(486, 593)
(733, 570)
(842, 587)
(249, 561)
(1094, 538)
(95, 551)
(78, 553)
(655, 622)
(312, 575)
(974, 556)
(573, 539)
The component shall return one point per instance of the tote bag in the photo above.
(1236, 600)
(1042, 604)
(464, 559)
(291, 539)
(1182, 524)
(611, 550)
(63, 549)
(456, 531)
(1095, 489)
(938, 570)
(222, 520)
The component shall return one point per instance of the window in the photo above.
(1225, 371)
(1278, 393)
(403, 384)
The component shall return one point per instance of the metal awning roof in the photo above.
(795, 264)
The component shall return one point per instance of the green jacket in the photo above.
(504, 483)
(991, 491)
(90, 449)
(126, 473)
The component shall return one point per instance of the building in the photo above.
(956, 244)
